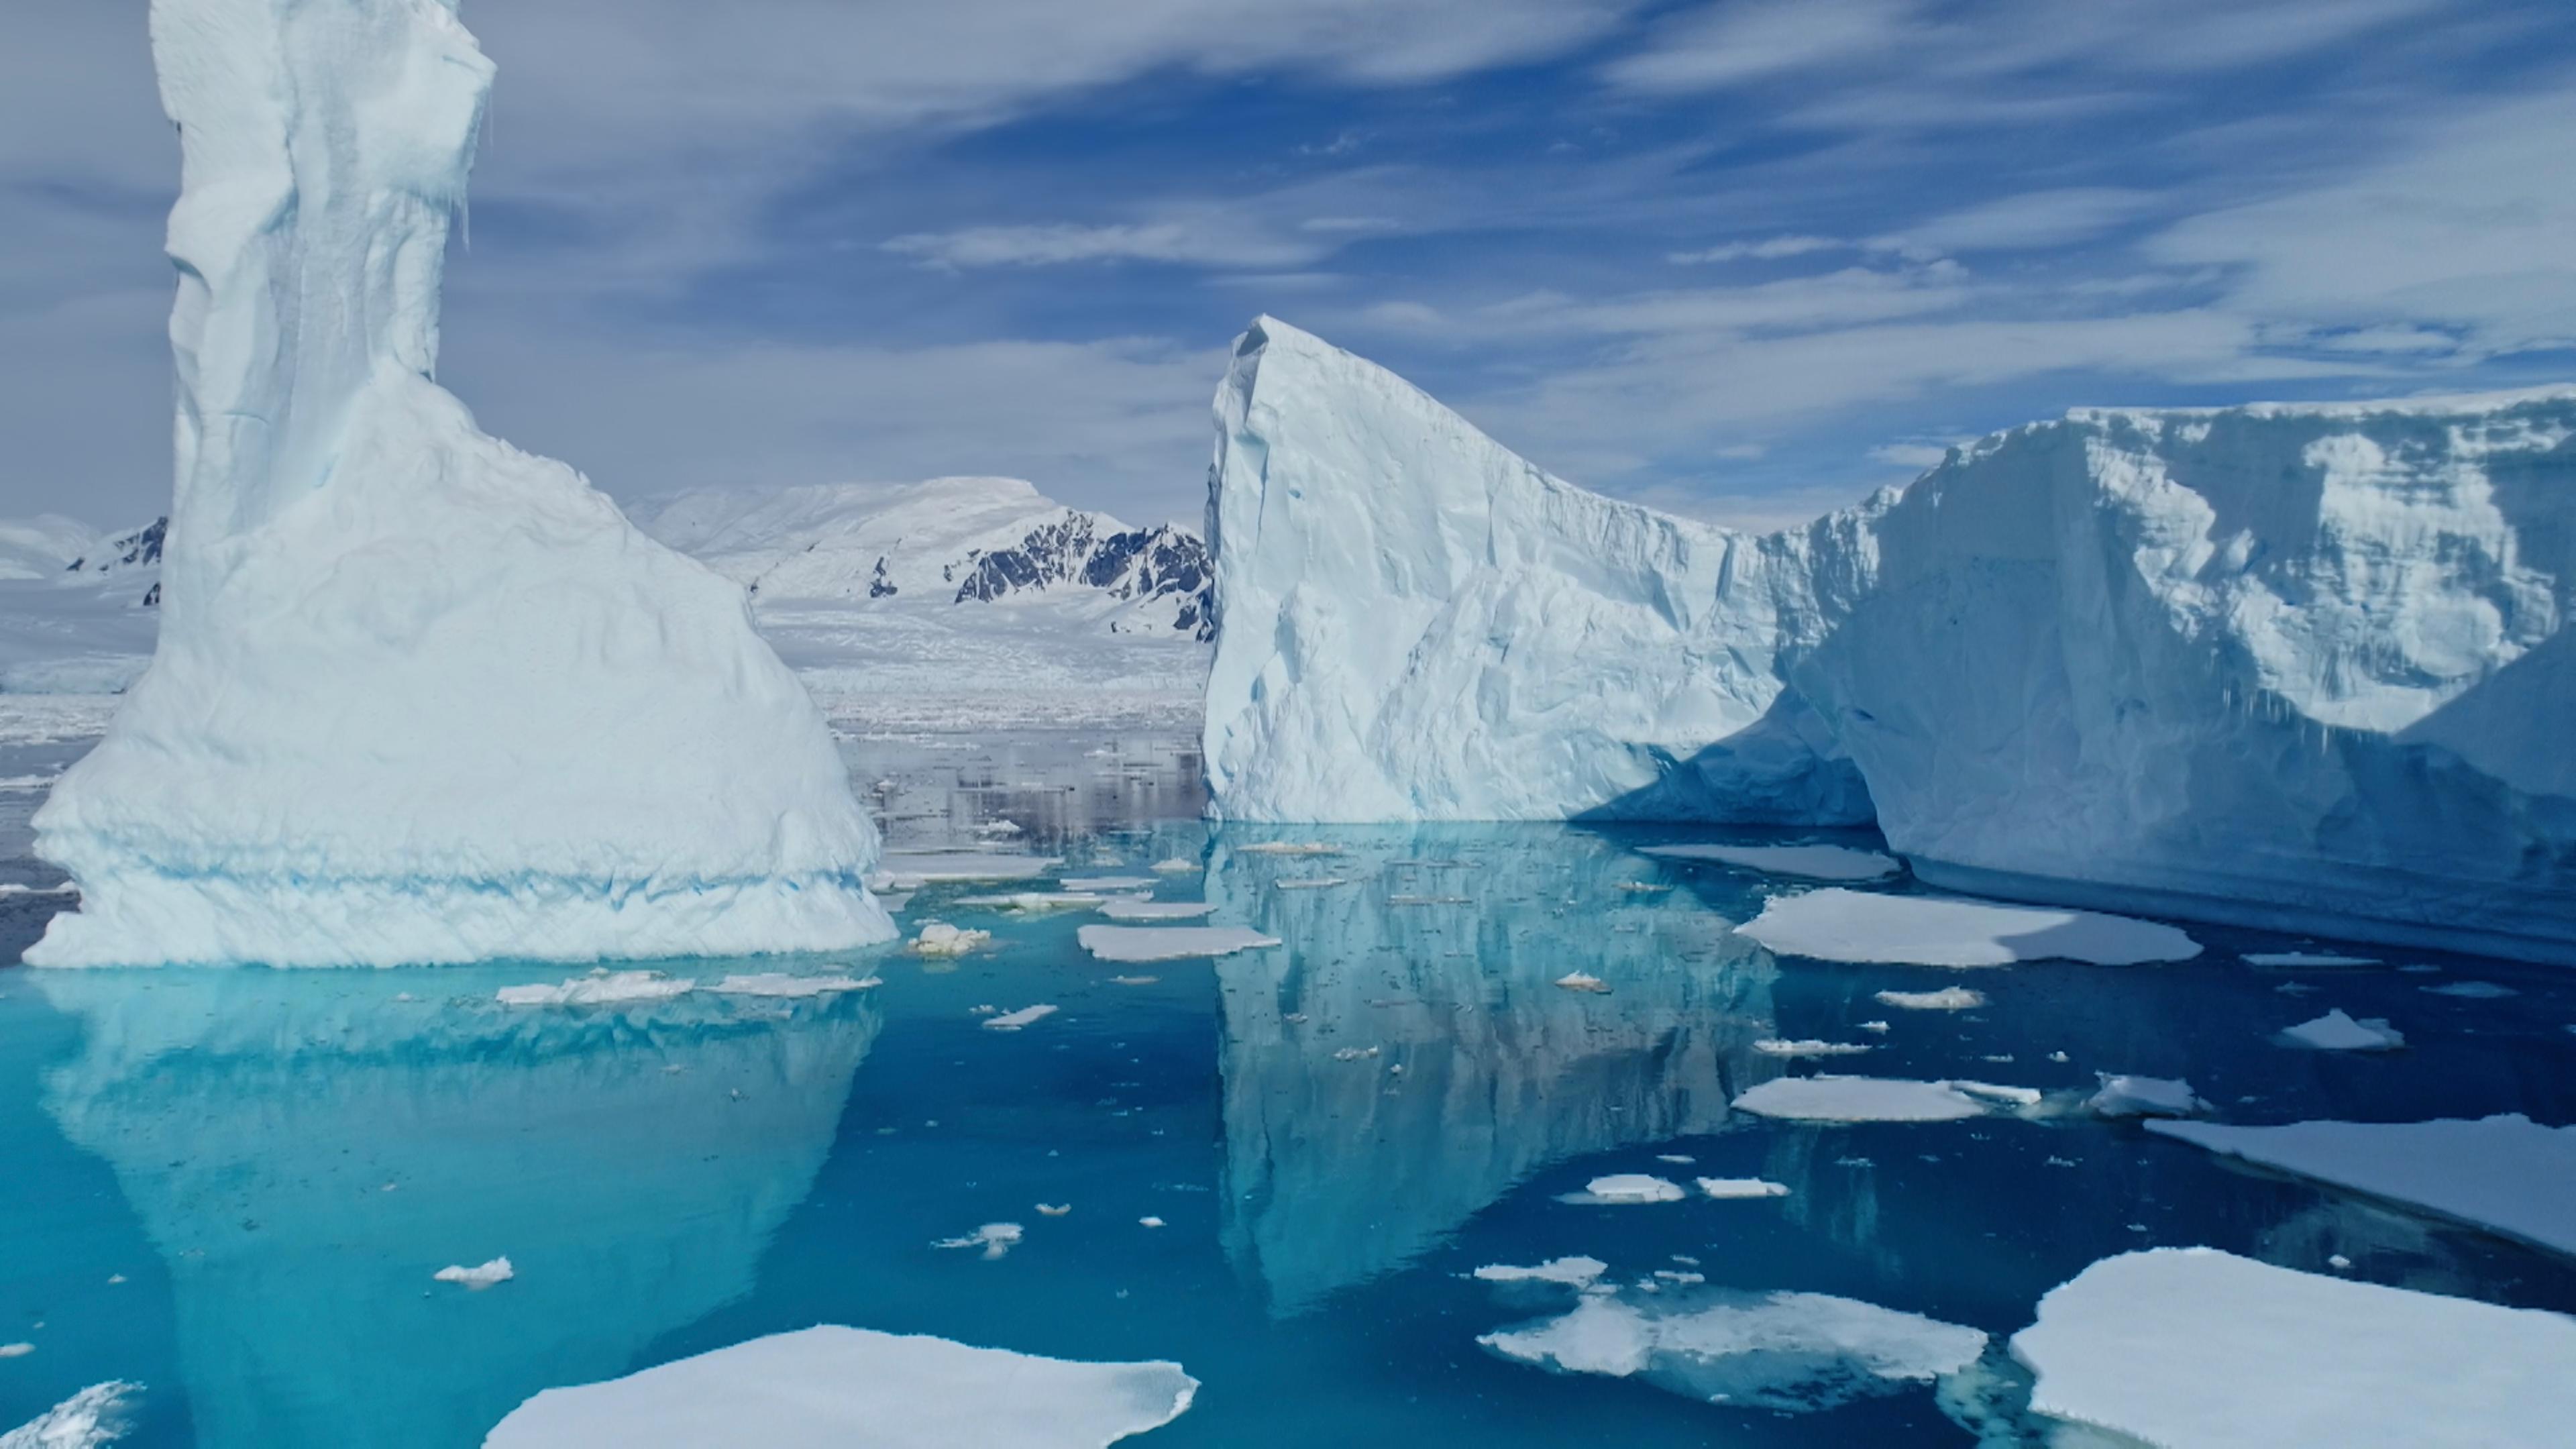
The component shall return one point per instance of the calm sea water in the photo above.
(233, 1187)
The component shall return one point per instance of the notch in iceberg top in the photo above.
(418, 696)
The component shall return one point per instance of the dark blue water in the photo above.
(275, 1163)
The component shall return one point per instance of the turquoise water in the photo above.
(275, 1163)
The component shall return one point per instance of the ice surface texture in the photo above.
(2284, 664)
(2507, 1174)
(418, 696)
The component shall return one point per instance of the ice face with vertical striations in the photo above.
(2289, 665)
(418, 696)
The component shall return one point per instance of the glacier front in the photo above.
(2291, 665)
(417, 696)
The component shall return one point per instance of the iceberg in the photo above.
(2195, 1346)
(418, 697)
(2280, 665)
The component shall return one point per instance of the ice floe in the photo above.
(1861, 1099)
(836, 1388)
(2192, 1346)
(996, 1239)
(93, 1417)
(1133, 910)
(16, 1350)
(778, 983)
(1948, 998)
(1133, 980)
(2506, 1174)
(1014, 1020)
(1109, 883)
(600, 988)
(1734, 1188)
(479, 1277)
(938, 938)
(1808, 862)
(909, 871)
(1574, 1272)
(1169, 943)
(1773, 1047)
(1786, 1352)
(2337, 1032)
(1626, 1188)
(1033, 902)
(2470, 990)
(2127, 1096)
(1582, 981)
(1864, 927)
(1174, 866)
(2304, 958)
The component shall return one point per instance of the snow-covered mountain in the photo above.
(2291, 664)
(78, 608)
(944, 542)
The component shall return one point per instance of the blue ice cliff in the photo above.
(418, 696)
(2295, 665)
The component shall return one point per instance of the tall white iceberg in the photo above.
(418, 696)
(2288, 665)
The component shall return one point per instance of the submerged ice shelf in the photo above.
(2276, 665)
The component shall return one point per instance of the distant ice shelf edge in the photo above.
(2297, 666)
(417, 696)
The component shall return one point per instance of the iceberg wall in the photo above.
(2290, 665)
(418, 696)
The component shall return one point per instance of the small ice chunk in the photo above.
(778, 983)
(1136, 910)
(1108, 883)
(1014, 1020)
(599, 988)
(1858, 1099)
(1775, 1048)
(1353, 1054)
(2017, 1096)
(93, 1417)
(1054, 1210)
(1876, 1026)
(938, 938)
(2471, 990)
(16, 1350)
(1311, 882)
(850, 1388)
(478, 1278)
(1174, 866)
(1574, 1272)
(1733, 1188)
(2127, 1096)
(1863, 927)
(1807, 862)
(1033, 902)
(1582, 981)
(2336, 1032)
(2506, 1174)
(1286, 847)
(995, 1239)
(1627, 1188)
(1169, 943)
(1133, 980)
(1681, 1158)
(1948, 998)
(2318, 959)
(2338, 1261)
(910, 870)
(1149, 1221)
(998, 827)
(2199, 1347)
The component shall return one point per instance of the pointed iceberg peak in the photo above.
(418, 696)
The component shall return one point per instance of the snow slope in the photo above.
(2292, 665)
(417, 696)
(78, 608)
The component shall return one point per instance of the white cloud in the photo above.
(2031, 221)
(1770, 249)
(1209, 243)
(1916, 456)
(1731, 44)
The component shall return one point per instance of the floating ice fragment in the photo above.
(1574, 1272)
(2191, 1346)
(1169, 943)
(1807, 862)
(2338, 1261)
(1775, 1048)
(1858, 1099)
(850, 1388)
(1033, 902)
(1149, 1222)
(2506, 1174)
(996, 1239)
(16, 1350)
(1139, 910)
(998, 827)
(1014, 1020)
(1880, 1026)
(1681, 1158)
(2017, 1096)
(1133, 980)
(1948, 998)
(1054, 1210)
(911, 870)
(1734, 1188)
(599, 988)
(2304, 958)
(2471, 990)
(938, 938)
(1353, 1054)
(93, 1417)
(477, 1278)
(1582, 981)
(777, 983)
(1108, 883)
(2336, 1032)
(1413, 900)
(1863, 927)
(1175, 866)
(1627, 1188)
(2127, 1096)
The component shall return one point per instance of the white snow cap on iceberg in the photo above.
(834, 1388)
(418, 696)
(2192, 1346)
(1865, 927)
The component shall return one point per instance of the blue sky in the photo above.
(1741, 259)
